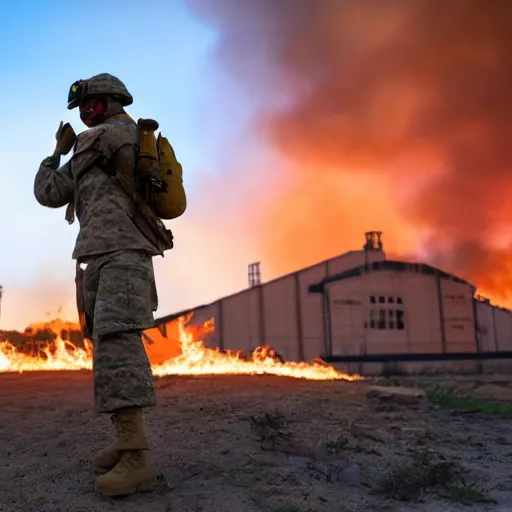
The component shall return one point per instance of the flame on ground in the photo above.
(191, 357)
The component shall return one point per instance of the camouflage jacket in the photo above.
(102, 192)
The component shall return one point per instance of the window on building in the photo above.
(391, 320)
(386, 319)
(373, 319)
(382, 299)
(391, 300)
(400, 319)
(382, 318)
(399, 300)
(372, 299)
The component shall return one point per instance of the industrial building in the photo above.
(358, 303)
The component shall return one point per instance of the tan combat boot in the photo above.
(129, 430)
(132, 472)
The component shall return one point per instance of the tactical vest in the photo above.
(106, 140)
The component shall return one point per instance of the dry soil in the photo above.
(246, 444)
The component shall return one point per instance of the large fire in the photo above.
(188, 356)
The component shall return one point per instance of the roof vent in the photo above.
(254, 274)
(373, 241)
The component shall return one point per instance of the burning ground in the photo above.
(180, 351)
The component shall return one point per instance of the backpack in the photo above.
(159, 175)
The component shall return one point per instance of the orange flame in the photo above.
(190, 357)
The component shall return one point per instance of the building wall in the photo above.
(459, 318)
(239, 322)
(383, 311)
(312, 319)
(311, 324)
(494, 335)
(380, 311)
(280, 316)
(487, 332)
(503, 319)
(280, 313)
(494, 327)
(387, 312)
(400, 312)
(346, 314)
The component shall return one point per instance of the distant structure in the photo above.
(254, 274)
(373, 241)
(359, 304)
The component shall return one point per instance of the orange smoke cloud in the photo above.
(391, 114)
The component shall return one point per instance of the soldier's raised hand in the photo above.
(66, 138)
(57, 135)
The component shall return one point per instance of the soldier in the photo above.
(118, 237)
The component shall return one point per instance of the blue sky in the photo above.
(164, 56)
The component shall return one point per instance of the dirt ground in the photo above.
(252, 444)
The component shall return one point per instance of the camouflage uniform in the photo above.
(116, 294)
(117, 246)
(119, 294)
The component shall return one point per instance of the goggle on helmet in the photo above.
(77, 92)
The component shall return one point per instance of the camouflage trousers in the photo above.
(119, 297)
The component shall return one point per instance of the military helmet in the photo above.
(99, 85)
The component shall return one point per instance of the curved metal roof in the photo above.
(376, 266)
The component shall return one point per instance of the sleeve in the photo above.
(54, 185)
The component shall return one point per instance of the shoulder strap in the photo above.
(160, 236)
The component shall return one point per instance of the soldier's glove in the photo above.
(66, 138)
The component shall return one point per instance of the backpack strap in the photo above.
(151, 226)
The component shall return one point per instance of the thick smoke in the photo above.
(396, 114)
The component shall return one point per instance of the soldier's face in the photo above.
(92, 111)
